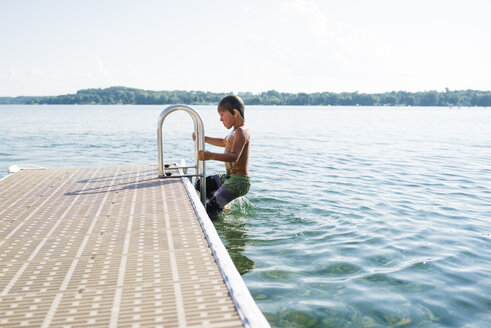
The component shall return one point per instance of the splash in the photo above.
(240, 206)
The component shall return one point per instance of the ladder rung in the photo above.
(180, 176)
(178, 167)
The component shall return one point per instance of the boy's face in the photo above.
(226, 117)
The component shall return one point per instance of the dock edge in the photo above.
(247, 308)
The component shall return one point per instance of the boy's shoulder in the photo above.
(243, 130)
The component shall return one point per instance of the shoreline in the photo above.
(131, 96)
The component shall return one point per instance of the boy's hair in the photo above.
(232, 102)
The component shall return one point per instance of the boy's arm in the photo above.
(233, 155)
(219, 142)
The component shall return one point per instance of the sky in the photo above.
(50, 47)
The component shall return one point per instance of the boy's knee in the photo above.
(223, 197)
(212, 208)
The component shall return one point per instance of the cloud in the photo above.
(101, 68)
(255, 36)
(307, 15)
(11, 75)
(35, 72)
(93, 69)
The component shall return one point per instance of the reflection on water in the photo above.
(232, 229)
(356, 217)
(369, 218)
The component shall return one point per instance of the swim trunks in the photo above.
(221, 189)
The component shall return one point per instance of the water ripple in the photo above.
(370, 217)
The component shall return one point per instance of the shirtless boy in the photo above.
(221, 189)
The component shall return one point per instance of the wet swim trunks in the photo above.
(221, 189)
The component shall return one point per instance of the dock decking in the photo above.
(113, 247)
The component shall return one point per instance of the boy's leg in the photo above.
(212, 185)
(233, 187)
(222, 197)
(212, 208)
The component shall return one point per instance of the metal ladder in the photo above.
(199, 144)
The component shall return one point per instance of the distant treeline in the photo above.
(123, 95)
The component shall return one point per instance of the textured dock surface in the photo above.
(110, 247)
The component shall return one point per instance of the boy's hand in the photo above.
(204, 155)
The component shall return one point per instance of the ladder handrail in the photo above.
(199, 144)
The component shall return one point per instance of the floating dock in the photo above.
(114, 247)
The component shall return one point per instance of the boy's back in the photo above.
(241, 137)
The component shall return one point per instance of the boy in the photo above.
(221, 189)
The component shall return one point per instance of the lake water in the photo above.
(357, 217)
